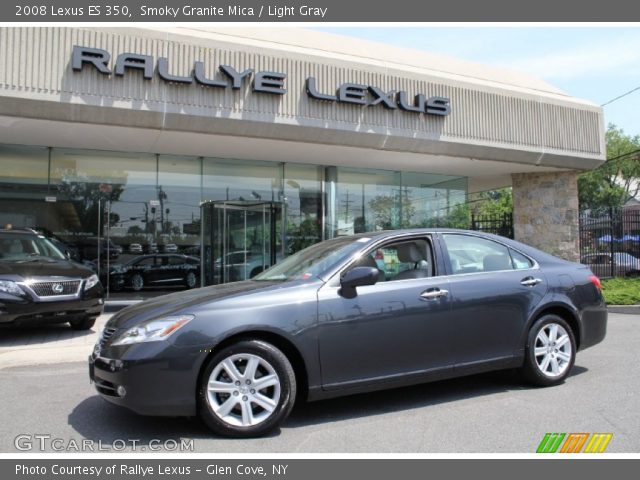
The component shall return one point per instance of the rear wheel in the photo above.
(247, 389)
(83, 324)
(550, 351)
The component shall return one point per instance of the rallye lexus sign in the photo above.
(261, 81)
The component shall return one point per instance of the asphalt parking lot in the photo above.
(46, 391)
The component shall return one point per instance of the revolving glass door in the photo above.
(239, 239)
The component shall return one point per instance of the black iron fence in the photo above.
(497, 224)
(610, 242)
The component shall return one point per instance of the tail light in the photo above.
(596, 281)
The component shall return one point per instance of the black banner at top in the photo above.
(30, 11)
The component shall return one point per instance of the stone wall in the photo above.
(545, 212)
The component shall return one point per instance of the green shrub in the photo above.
(621, 291)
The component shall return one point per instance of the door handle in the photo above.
(434, 293)
(530, 281)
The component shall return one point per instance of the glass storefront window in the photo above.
(367, 200)
(136, 218)
(180, 192)
(106, 201)
(241, 180)
(304, 199)
(23, 186)
(431, 200)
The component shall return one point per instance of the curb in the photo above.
(626, 309)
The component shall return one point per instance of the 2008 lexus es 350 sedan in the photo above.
(349, 315)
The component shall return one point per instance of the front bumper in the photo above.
(41, 313)
(158, 379)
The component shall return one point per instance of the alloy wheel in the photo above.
(137, 282)
(243, 390)
(553, 350)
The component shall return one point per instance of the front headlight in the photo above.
(153, 331)
(7, 286)
(91, 282)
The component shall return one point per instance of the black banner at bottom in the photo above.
(316, 469)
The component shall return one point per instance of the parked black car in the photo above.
(349, 315)
(70, 251)
(39, 284)
(156, 270)
(92, 248)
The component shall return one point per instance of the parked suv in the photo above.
(40, 285)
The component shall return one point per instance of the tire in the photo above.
(234, 419)
(137, 282)
(190, 280)
(256, 271)
(84, 324)
(552, 366)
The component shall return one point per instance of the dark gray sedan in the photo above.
(349, 315)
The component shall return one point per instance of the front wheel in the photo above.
(137, 282)
(550, 352)
(190, 280)
(247, 389)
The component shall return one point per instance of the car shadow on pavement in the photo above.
(407, 398)
(43, 334)
(96, 419)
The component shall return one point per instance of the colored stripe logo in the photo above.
(574, 442)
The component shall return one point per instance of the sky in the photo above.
(597, 64)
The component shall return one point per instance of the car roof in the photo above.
(22, 231)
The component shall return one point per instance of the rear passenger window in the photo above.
(520, 262)
(470, 254)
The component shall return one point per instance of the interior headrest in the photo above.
(409, 252)
(496, 262)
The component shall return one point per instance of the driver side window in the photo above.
(400, 260)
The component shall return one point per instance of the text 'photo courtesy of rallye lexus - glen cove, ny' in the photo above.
(338, 318)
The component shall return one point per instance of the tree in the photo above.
(618, 179)
(387, 209)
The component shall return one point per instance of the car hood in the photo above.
(181, 302)
(42, 268)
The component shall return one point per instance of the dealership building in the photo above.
(241, 146)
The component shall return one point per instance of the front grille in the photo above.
(54, 289)
(106, 335)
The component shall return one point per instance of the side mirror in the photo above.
(357, 277)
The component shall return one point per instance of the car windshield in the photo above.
(314, 260)
(15, 247)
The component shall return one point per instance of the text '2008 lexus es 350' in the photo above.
(349, 315)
